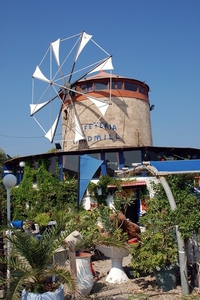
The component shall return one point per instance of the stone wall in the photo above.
(125, 123)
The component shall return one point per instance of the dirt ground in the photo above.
(136, 288)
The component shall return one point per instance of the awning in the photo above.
(88, 166)
(128, 183)
(177, 166)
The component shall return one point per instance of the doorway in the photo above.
(133, 210)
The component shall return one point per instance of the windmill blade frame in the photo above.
(59, 86)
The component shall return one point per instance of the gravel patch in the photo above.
(142, 288)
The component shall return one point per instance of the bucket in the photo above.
(18, 224)
(166, 277)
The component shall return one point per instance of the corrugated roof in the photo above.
(101, 75)
(129, 183)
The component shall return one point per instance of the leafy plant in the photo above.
(42, 219)
(123, 199)
(111, 233)
(187, 214)
(41, 192)
(159, 246)
(103, 185)
(86, 222)
(32, 264)
(3, 158)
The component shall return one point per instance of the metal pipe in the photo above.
(9, 234)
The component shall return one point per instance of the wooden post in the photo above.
(72, 259)
(72, 264)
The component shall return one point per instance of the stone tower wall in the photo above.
(125, 123)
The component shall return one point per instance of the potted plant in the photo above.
(33, 272)
(112, 241)
(42, 220)
(158, 249)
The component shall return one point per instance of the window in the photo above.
(83, 88)
(74, 87)
(101, 86)
(141, 89)
(116, 85)
(87, 87)
(70, 165)
(130, 86)
(131, 157)
(112, 162)
(152, 155)
(73, 93)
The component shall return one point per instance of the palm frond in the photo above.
(62, 275)
(31, 262)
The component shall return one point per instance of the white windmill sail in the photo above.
(50, 134)
(36, 107)
(102, 106)
(39, 75)
(84, 40)
(55, 47)
(79, 133)
(106, 65)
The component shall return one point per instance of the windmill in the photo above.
(55, 79)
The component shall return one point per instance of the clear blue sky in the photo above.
(156, 41)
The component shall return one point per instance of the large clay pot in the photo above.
(116, 274)
(166, 277)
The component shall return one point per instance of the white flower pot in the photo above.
(84, 273)
(2, 294)
(57, 295)
(116, 274)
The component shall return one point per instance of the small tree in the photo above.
(42, 192)
(159, 247)
(33, 268)
(3, 158)
(3, 202)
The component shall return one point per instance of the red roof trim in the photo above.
(129, 183)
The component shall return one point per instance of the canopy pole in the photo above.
(78, 190)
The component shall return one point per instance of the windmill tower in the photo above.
(94, 111)
(125, 122)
